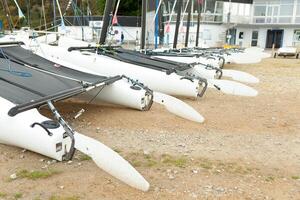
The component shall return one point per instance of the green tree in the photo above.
(33, 9)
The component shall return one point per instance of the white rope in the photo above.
(117, 8)
(60, 13)
(20, 13)
(183, 15)
(171, 14)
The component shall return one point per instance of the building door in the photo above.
(254, 39)
(231, 36)
(274, 37)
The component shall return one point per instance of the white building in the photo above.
(259, 23)
(245, 23)
(271, 22)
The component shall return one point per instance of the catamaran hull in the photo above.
(120, 93)
(18, 131)
(210, 73)
(172, 84)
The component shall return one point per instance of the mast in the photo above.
(54, 14)
(144, 13)
(28, 13)
(188, 23)
(177, 23)
(161, 25)
(198, 21)
(106, 20)
(44, 15)
(82, 22)
(156, 23)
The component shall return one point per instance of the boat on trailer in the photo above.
(23, 89)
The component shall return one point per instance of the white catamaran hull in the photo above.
(135, 97)
(18, 131)
(120, 92)
(172, 84)
(115, 92)
(209, 73)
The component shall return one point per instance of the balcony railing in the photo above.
(275, 20)
(205, 17)
(212, 18)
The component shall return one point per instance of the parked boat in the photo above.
(23, 89)
(207, 65)
(169, 78)
(130, 93)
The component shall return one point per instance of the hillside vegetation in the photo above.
(33, 10)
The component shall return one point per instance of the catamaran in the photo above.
(126, 92)
(25, 88)
(160, 75)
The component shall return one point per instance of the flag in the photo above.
(200, 1)
(182, 29)
(20, 13)
(168, 28)
(115, 20)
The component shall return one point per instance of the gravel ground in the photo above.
(248, 148)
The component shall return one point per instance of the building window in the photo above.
(241, 35)
(275, 11)
(286, 10)
(259, 20)
(287, 1)
(285, 20)
(219, 7)
(209, 6)
(206, 34)
(296, 37)
(269, 13)
(297, 20)
(260, 10)
(254, 38)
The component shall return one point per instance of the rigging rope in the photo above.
(183, 15)
(171, 14)
(157, 10)
(10, 70)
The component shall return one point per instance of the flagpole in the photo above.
(156, 23)
(108, 9)
(188, 24)
(177, 23)
(198, 21)
(144, 14)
